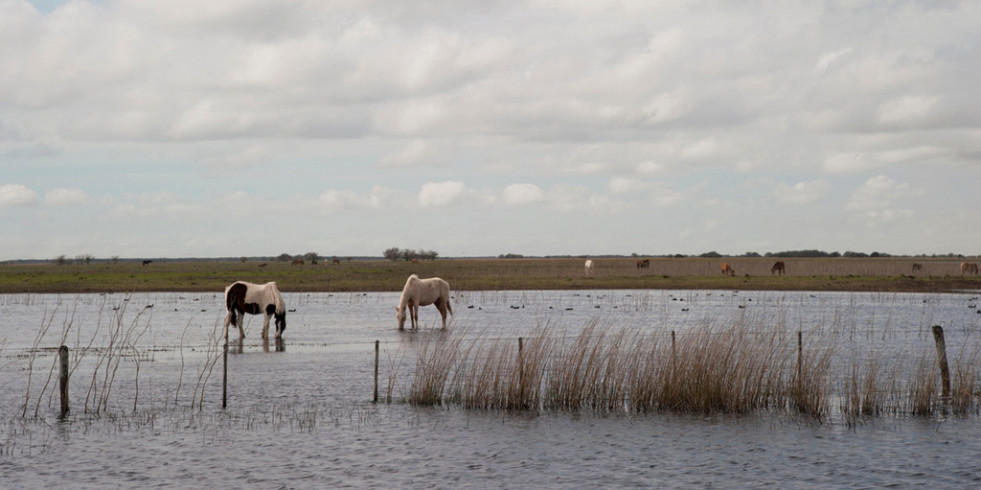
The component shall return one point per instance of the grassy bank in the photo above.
(829, 274)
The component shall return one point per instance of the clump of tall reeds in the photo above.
(735, 370)
(731, 369)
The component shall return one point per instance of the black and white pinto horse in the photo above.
(244, 297)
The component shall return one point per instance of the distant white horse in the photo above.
(589, 267)
(422, 292)
(255, 299)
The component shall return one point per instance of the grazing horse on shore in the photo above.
(727, 269)
(423, 292)
(297, 262)
(916, 268)
(244, 297)
(644, 264)
(778, 267)
(589, 267)
(147, 262)
(969, 268)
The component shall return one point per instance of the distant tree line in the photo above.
(311, 257)
(395, 254)
(79, 259)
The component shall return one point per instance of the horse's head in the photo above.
(280, 323)
(400, 314)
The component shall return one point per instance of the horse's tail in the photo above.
(231, 301)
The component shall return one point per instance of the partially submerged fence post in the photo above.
(63, 354)
(521, 371)
(375, 398)
(800, 357)
(674, 355)
(224, 374)
(938, 336)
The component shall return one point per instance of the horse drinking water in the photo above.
(422, 292)
(244, 297)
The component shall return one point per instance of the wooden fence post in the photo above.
(375, 398)
(224, 374)
(800, 357)
(938, 337)
(63, 354)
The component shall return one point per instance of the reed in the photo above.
(733, 369)
(965, 394)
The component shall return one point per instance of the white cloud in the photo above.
(522, 194)
(160, 206)
(827, 59)
(624, 185)
(12, 195)
(668, 107)
(417, 151)
(879, 196)
(65, 197)
(441, 193)
(337, 200)
(801, 192)
(906, 109)
(249, 156)
(848, 162)
(700, 150)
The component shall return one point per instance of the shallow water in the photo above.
(299, 413)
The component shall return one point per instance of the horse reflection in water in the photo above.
(279, 345)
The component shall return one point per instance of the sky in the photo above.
(241, 128)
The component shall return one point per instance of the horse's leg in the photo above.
(265, 327)
(441, 306)
(414, 308)
(241, 320)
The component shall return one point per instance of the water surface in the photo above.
(300, 416)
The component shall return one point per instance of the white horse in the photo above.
(422, 292)
(589, 267)
(244, 297)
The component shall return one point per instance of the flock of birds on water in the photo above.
(973, 304)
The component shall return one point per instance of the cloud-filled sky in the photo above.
(227, 128)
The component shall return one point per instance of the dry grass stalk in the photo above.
(965, 393)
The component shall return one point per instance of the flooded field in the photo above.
(146, 393)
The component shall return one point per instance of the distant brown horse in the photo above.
(969, 268)
(727, 269)
(778, 268)
(336, 261)
(917, 267)
(644, 264)
(297, 262)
